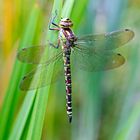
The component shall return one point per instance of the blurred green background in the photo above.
(106, 105)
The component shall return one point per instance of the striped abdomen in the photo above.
(66, 57)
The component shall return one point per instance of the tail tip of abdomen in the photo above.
(70, 119)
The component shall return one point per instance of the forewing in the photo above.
(41, 76)
(106, 41)
(97, 61)
(38, 54)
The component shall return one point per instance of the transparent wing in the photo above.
(38, 54)
(41, 76)
(106, 41)
(97, 61)
(95, 52)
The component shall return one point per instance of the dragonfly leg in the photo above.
(53, 28)
(52, 23)
(55, 46)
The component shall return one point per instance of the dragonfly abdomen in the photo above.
(66, 58)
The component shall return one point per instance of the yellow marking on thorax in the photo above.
(62, 36)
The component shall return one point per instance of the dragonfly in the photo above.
(90, 53)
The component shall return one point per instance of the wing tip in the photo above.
(119, 61)
(19, 54)
(130, 32)
(21, 87)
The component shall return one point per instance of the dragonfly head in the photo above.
(65, 23)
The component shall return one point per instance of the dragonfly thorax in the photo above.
(67, 37)
(65, 23)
